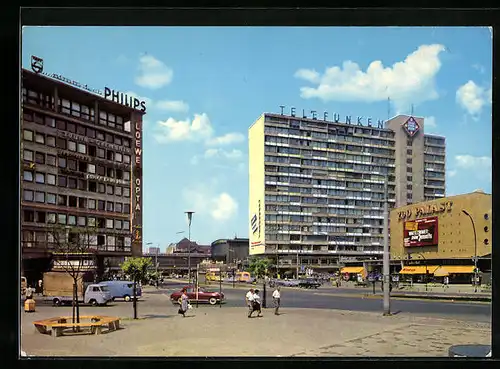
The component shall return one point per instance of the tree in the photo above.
(74, 250)
(137, 269)
(259, 267)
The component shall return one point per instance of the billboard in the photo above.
(421, 232)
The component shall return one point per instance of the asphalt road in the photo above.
(352, 299)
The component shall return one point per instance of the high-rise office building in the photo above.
(81, 166)
(317, 187)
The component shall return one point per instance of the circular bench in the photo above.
(95, 323)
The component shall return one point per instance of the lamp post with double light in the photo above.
(190, 217)
(475, 248)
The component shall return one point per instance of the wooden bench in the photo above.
(57, 325)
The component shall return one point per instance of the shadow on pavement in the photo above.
(156, 316)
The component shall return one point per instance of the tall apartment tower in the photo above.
(81, 166)
(316, 187)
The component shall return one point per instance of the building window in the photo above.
(126, 208)
(61, 162)
(61, 125)
(118, 157)
(118, 224)
(82, 184)
(40, 158)
(126, 192)
(408, 161)
(118, 191)
(109, 223)
(119, 207)
(91, 168)
(40, 178)
(28, 135)
(62, 181)
(119, 174)
(51, 160)
(51, 179)
(111, 155)
(409, 170)
(62, 200)
(91, 221)
(82, 203)
(409, 178)
(109, 189)
(50, 122)
(409, 142)
(72, 164)
(101, 170)
(40, 197)
(51, 198)
(29, 216)
(71, 146)
(28, 176)
(409, 151)
(92, 151)
(91, 132)
(80, 130)
(109, 206)
(126, 126)
(28, 155)
(82, 149)
(72, 220)
(85, 112)
(126, 142)
(51, 218)
(91, 203)
(40, 138)
(109, 138)
(61, 143)
(61, 218)
(110, 172)
(101, 153)
(409, 187)
(101, 205)
(70, 127)
(72, 201)
(40, 217)
(102, 188)
(111, 120)
(118, 140)
(92, 186)
(51, 141)
(126, 176)
(126, 159)
(82, 221)
(28, 195)
(126, 224)
(100, 135)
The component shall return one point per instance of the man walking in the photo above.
(276, 300)
(249, 301)
(256, 305)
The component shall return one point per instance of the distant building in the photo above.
(183, 246)
(230, 250)
(154, 250)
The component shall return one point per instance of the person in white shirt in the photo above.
(249, 300)
(276, 300)
(256, 304)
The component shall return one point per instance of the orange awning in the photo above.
(458, 269)
(353, 270)
(441, 272)
(418, 269)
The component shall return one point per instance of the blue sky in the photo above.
(205, 86)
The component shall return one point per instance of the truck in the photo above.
(58, 289)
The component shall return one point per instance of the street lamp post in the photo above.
(475, 249)
(156, 261)
(190, 217)
(386, 259)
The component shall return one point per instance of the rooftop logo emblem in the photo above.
(36, 64)
(411, 126)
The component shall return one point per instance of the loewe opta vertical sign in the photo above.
(137, 182)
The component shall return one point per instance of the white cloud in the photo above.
(452, 173)
(227, 139)
(177, 106)
(473, 162)
(154, 73)
(220, 153)
(479, 68)
(473, 98)
(181, 130)
(409, 81)
(207, 202)
(224, 207)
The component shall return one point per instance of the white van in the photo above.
(122, 289)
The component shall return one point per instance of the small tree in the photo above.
(259, 266)
(72, 248)
(137, 269)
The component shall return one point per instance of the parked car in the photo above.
(122, 289)
(309, 283)
(203, 296)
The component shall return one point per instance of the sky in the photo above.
(205, 86)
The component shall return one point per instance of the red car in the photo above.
(203, 296)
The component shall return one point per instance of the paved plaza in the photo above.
(226, 331)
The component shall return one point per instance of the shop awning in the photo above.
(353, 270)
(457, 269)
(441, 272)
(418, 269)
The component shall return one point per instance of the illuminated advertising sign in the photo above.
(421, 232)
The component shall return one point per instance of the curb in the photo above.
(443, 297)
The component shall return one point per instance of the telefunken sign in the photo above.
(335, 119)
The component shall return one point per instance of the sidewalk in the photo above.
(226, 331)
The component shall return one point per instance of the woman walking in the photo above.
(184, 303)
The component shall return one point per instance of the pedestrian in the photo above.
(40, 286)
(29, 293)
(184, 303)
(249, 301)
(276, 300)
(446, 281)
(256, 305)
